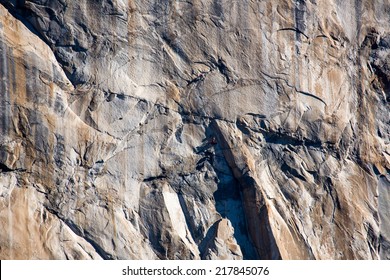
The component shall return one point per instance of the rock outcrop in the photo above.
(194, 129)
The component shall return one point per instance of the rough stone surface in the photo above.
(200, 129)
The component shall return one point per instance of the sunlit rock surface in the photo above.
(199, 129)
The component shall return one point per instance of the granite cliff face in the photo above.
(149, 129)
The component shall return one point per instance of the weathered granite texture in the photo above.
(150, 129)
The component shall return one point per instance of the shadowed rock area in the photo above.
(148, 129)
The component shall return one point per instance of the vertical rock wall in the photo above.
(194, 129)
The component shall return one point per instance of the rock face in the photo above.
(194, 129)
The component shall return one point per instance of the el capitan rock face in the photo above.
(194, 129)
